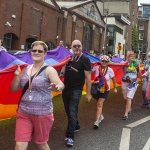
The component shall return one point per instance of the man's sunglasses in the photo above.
(39, 51)
(104, 61)
(76, 46)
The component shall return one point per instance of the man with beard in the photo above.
(77, 70)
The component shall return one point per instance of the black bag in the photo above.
(94, 90)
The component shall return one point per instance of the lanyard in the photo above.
(76, 58)
(30, 82)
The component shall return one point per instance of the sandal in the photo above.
(125, 118)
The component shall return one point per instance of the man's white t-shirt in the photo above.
(108, 75)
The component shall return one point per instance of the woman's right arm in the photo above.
(15, 84)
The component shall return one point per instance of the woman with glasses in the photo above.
(103, 74)
(146, 103)
(35, 113)
(129, 82)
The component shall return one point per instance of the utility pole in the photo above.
(104, 42)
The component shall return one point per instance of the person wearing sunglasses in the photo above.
(103, 74)
(129, 82)
(77, 70)
(35, 112)
(146, 103)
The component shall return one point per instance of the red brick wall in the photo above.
(96, 38)
(69, 29)
(27, 23)
(79, 30)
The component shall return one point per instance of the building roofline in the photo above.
(144, 3)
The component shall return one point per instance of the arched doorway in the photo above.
(88, 38)
(29, 41)
(11, 41)
(50, 45)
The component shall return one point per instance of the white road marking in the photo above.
(136, 123)
(147, 145)
(125, 139)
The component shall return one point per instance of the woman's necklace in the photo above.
(30, 82)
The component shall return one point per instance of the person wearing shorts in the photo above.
(100, 97)
(129, 82)
(35, 112)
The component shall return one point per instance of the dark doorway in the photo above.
(50, 45)
(88, 38)
(11, 41)
(29, 41)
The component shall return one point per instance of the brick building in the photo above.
(144, 29)
(25, 21)
(127, 8)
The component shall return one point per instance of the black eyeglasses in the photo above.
(104, 61)
(76, 46)
(39, 51)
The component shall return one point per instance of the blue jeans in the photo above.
(71, 99)
(144, 87)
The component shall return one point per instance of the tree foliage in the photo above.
(134, 38)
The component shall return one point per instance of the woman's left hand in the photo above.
(115, 90)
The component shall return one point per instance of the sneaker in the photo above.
(70, 142)
(125, 118)
(144, 106)
(96, 125)
(77, 128)
(101, 118)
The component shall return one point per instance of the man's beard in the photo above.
(77, 52)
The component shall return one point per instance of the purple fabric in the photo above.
(25, 57)
(116, 59)
(58, 53)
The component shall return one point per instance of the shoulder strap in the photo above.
(27, 84)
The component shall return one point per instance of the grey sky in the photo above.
(143, 1)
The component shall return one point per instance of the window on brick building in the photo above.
(141, 36)
(29, 41)
(50, 45)
(140, 46)
(10, 41)
(141, 27)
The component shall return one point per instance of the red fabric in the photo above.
(117, 68)
(6, 76)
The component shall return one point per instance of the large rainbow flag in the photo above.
(56, 58)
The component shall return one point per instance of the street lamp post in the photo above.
(104, 42)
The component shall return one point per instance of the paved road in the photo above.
(113, 133)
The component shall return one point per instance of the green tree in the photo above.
(134, 38)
